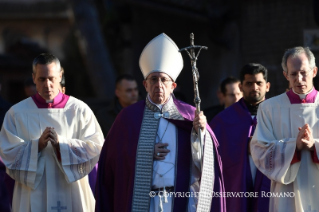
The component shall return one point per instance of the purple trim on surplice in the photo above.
(58, 102)
(295, 99)
(232, 128)
(115, 181)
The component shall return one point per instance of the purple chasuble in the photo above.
(232, 128)
(59, 102)
(295, 99)
(115, 181)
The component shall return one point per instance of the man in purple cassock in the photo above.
(151, 159)
(233, 129)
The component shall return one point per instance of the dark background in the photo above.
(96, 40)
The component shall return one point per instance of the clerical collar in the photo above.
(58, 102)
(160, 106)
(295, 98)
(302, 96)
(252, 108)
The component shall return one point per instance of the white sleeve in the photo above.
(79, 155)
(24, 163)
(273, 156)
(197, 155)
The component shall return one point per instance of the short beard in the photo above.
(253, 100)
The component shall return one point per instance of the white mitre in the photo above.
(161, 55)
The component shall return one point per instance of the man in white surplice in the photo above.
(49, 143)
(285, 144)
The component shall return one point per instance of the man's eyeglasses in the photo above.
(154, 80)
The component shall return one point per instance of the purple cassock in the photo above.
(59, 102)
(115, 181)
(232, 128)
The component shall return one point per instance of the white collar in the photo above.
(302, 96)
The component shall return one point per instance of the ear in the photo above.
(174, 85)
(33, 77)
(117, 92)
(240, 87)
(315, 70)
(286, 75)
(267, 86)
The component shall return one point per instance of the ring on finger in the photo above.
(158, 154)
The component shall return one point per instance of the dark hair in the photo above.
(253, 69)
(28, 82)
(228, 80)
(124, 77)
(45, 59)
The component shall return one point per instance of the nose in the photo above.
(159, 82)
(299, 78)
(47, 83)
(255, 86)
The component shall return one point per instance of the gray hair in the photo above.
(297, 51)
(45, 59)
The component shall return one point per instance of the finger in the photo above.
(305, 141)
(161, 144)
(159, 158)
(163, 151)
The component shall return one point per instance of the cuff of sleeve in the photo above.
(296, 158)
(314, 155)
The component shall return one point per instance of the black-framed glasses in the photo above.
(154, 80)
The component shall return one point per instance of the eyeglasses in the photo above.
(154, 80)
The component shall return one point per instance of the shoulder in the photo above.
(23, 105)
(275, 101)
(77, 105)
(184, 108)
(228, 115)
(134, 108)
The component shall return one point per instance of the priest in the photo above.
(152, 148)
(49, 143)
(240, 120)
(285, 145)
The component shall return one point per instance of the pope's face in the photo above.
(159, 86)
(299, 75)
(47, 80)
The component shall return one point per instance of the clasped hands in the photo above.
(49, 134)
(305, 139)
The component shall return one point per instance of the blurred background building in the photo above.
(97, 40)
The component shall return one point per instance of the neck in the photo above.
(303, 93)
(123, 105)
(254, 103)
(48, 100)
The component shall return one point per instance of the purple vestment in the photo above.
(295, 99)
(116, 171)
(232, 128)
